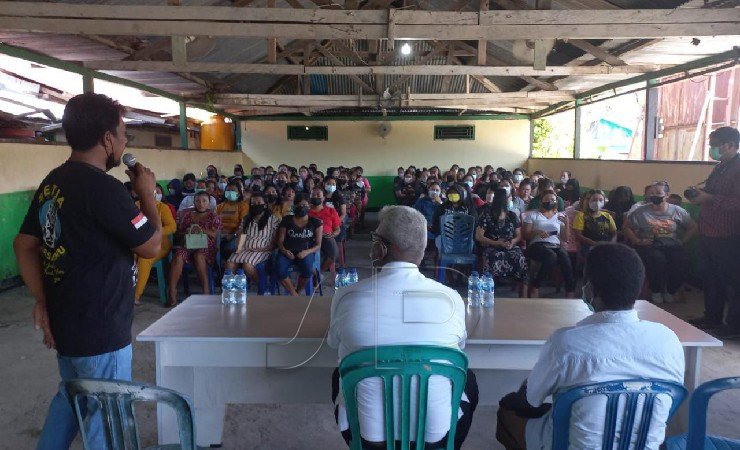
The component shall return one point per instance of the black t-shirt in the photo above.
(335, 201)
(87, 224)
(298, 238)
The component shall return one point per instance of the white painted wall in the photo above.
(497, 142)
(24, 165)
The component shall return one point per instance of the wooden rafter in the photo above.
(340, 24)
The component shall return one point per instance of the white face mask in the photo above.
(474, 175)
(563, 180)
(510, 204)
(596, 205)
(507, 189)
(157, 196)
(469, 183)
(222, 186)
(359, 184)
(407, 180)
(330, 188)
(434, 193)
(518, 177)
(489, 198)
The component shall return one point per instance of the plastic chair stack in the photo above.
(455, 242)
(117, 399)
(403, 363)
(629, 392)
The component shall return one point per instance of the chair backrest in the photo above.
(116, 399)
(631, 391)
(456, 233)
(698, 408)
(403, 362)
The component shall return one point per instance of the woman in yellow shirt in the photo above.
(144, 265)
(284, 206)
(232, 211)
(593, 224)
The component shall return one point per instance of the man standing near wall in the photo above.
(719, 227)
(75, 255)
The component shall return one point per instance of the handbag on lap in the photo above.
(196, 241)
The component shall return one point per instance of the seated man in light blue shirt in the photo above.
(612, 344)
(400, 306)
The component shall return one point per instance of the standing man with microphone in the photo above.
(719, 228)
(76, 251)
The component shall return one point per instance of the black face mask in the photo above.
(300, 211)
(655, 199)
(271, 198)
(258, 209)
(316, 201)
(549, 206)
(280, 183)
(256, 188)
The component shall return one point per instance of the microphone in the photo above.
(129, 160)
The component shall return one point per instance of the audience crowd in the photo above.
(529, 227)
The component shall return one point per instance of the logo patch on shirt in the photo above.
(139, 221)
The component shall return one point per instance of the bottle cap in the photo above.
(228, 272)
(240, 272)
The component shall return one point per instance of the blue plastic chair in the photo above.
(696, 438)
(455, 242)
(264, 276)
(631, 391)
(116, 400)
(403, 362)
(211, 275)
(275, 283)
(161, 278)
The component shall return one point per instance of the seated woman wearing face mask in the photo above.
(210, 223)
(231, 212)
(498, 234)
(543, 230)
(468, 183)
(169, 226)
(457, 202)
(256, 237)
(658, 231)
(299, 240)
(594, 224)
(427, 205)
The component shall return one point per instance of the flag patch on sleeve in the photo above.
(139, 221)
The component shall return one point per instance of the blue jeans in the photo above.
(305, 266)
(60, 427)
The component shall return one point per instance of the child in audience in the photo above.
(675, 199)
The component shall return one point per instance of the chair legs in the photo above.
(161, 281)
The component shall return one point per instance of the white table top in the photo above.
(280, 318)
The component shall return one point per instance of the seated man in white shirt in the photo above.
(612, 344)
(400, 306)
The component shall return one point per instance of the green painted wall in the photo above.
(14, 207)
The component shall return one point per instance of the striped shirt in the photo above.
(720, 218)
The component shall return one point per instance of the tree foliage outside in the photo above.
(554, 136)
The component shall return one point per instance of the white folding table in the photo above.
(273, 350)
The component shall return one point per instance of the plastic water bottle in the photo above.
(473, 286)
(227, 288)
(353, 277)
(240, 288)
(340, 279)
(488, 291)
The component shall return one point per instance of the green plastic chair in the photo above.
(404, 362)
(116, 399)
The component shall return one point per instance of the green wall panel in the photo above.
(14, 207)
(382, 193)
